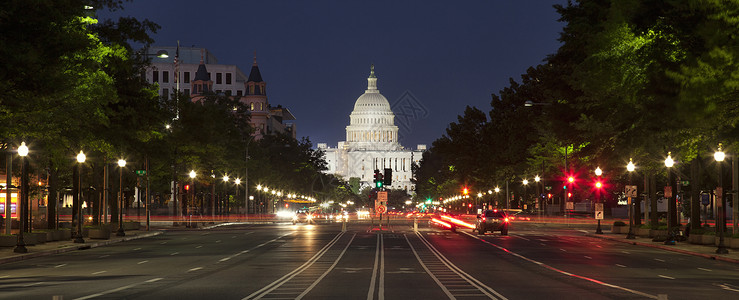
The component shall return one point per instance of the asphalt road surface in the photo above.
(284, 261)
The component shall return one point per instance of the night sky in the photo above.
(432, 58)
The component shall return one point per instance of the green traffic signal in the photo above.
(378, 184)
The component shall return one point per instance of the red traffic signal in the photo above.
(549, 196)
(469, 205)
(187, 187)
(569, 195)
(598, 184)
(571, 179)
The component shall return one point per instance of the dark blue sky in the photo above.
(315, 55)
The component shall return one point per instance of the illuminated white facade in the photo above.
(372, 143)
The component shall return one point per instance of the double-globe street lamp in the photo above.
(121, 165)
(598, 186)
(719, 156)
(20, 246)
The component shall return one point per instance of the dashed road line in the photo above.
(142, 262)
(666, 277)
(619, 265)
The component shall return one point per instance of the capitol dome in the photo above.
(372, 122)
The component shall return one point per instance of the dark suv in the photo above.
(492, 220)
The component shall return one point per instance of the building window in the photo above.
(165, 94)
(209, 77)
(228, 78)
(219, 78)
(187, 92)
(155, 76)
(165, 76)
(239, 93)
(252, 106)
(187, 77)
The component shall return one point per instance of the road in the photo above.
(284, 261)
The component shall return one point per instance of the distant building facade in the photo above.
(200, 74)
(372, 143)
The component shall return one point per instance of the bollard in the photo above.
(415, 224)
(343, 225)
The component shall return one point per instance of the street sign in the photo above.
(705, 199)
(381, 196)
(668, 191)
(141, 172)
(630, 191)
(685, 182)
(570, 205)
(599, 211)
(381, 209)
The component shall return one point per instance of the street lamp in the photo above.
(80, 160)
(719, 157)
(670, 234)
(539, 193)
(192, 174)
(598, 186)
(630, 167)
(121, 164)
(20, 246)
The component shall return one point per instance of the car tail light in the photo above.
(506, 220)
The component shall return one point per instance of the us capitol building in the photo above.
(372, 143)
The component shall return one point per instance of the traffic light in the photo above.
(388, 178)
(598, 184)
(187, 187)
(569, 195)
(571, 179)
(549, 196)
(378, 179)
(465, 191)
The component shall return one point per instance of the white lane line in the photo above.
(194, 269)
(381, 294)
(104, 256)
(563, 272)
(218, 241)
(35, 283)
(199, 246)
(142, 262)
(667, 277)
(174, 253)
(622, 266)
(727, 287)
(117, 289)
(4, 276)
(625, 252)
(371, 292)
(520, 237)
(233, 237)
(137, 249)
(99, 272)
(704, 269)
(57, 266)
(260, 245)
(660, 260)
(543, 244)
(563, 250)
(162, 243)
(588, 257)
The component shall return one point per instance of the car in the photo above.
(492, 220)
(302, 217)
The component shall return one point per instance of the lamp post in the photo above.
(20, 246)
(121, 164)
(237, 182)
(225, 182)
(80, 160)
(192, 174)
(497, 192)
(525, 192)
(539, 203)
(598, 186)
(721, 222)
(670, 234)
(630, 167)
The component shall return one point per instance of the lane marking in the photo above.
(371, 292)
(104, 256)
(704, 269)
(174, 253)
(382, 287)
(563, 250)
(99, 272)
(520, 237)
(287, 277)
(57, 266)
(218, 241)
(588, 257)
(622, 266)
(199, 246)
(625, 252)
(260, 245)
(660, 260)
(727, 287)
(35, 283)
(543, 244)
(137, 249)
(162, 243)
(142, 262)
(667, 277)
(564, 272)
(194, 269)
(117, 289)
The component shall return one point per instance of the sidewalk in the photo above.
(707, 251)
(7, 255)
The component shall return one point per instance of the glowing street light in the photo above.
(719, 156)
(631, 167)
(20, 246)
(121, 165)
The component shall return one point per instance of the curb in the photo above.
(688, 252)
(76, 247)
